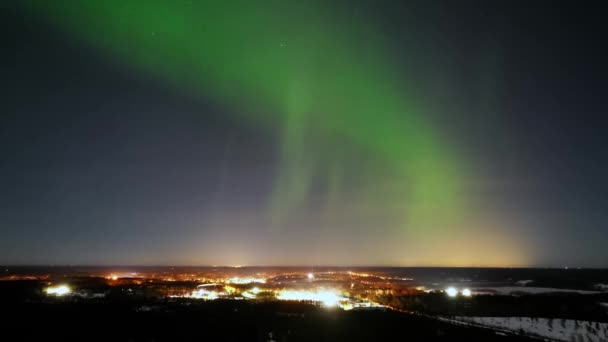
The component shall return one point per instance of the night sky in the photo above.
(418, 133)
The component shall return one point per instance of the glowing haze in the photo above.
(346, 158)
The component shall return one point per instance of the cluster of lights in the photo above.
(201, 292)
(453, 292)
(204, 294)
(326, 297)
(117, 276)
(230, 289)
(237, 280)
(59, 290)
(251, 294)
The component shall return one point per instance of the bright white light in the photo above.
(311, 276)
(347, 306)
(204, 294)
(60, 290)
(466, 293)
(452, 292)
(251, 294)
(248, 295)
(247, 280)
(327, 298)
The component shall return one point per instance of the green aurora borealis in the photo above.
(354, 141)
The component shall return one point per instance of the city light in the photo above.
(248, 280)
(346, 294)
(347, 306)
(204, 294)
(60, 290)
(326, 297)
(251, 294)
(452, 292)
(329, 298)
(248, 295)
(466, 293)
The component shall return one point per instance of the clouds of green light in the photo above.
(348, 123)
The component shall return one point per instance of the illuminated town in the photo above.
(445, 296)
(337, 288)
(342, 289)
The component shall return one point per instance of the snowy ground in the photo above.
(557, 329)
(505, 290)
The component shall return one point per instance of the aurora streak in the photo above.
(354, 140)
(327, 87)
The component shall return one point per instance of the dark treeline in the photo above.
(553, 305)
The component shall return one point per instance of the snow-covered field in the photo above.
(505, 290)
(557, 329)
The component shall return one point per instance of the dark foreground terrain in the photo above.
(223, 321)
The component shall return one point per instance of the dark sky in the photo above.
(105, 162)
